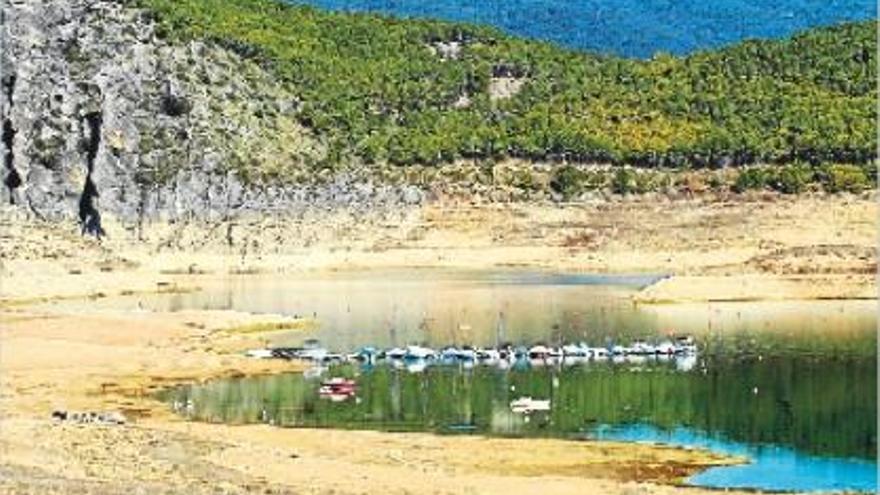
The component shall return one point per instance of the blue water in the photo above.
(771, 468)
(633, 28)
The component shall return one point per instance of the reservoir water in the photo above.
(791, 386)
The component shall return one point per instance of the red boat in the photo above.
(337, 389)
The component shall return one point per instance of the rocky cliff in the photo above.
(103, 117)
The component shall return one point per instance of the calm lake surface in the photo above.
(632, 28)
(789, 385)
(442, 307)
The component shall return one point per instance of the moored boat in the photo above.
(260, 353)
(527, 405)
(415, 352)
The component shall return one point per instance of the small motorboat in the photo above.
(685, 345)
(449, 354)
(415, 352)
(332, 358)
(528, 405)
(339, 383)
(488, 355)
(337, 389)
(642, 348)
(665, 348)
(575, 351)
(365, 355)
(466, 353)
(286, 352)
(260, 353)
(507, 352)
(540, 352)
(599, 353)
(317, 354)
(395, 353)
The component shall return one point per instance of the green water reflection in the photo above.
(820, 405)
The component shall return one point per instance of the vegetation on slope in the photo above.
(411, 91)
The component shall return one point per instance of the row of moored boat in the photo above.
(679, 347)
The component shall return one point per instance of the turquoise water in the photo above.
(770, 467)
(633, 28)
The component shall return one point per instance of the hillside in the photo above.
(429, 92)
(179, 109)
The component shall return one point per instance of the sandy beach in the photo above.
(83, 359)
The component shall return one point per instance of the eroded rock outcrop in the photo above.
(103, 117)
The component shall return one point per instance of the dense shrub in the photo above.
(870, 170)
(568, 181)
(752, 178)
(791, 179)
(844, 178)
(625, 181)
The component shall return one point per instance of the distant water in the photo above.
(632, 28)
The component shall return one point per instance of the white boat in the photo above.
(260, 353)
(618, 350)
(314, 354)
(599, 353)
(419, 352)
(685, 345)
(449, 354)
(575, 351)
(395, 353)
(488, 354)
(364, 355)
(539, 352)
(332, 357)
(466, 354)
(528, 405)
(642, 348)
(666, 348)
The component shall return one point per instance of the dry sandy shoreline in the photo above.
(714, 249)
(115, 360)
(84, 359)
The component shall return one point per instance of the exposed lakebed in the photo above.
(789, 385)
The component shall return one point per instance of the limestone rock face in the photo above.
(102, 116)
